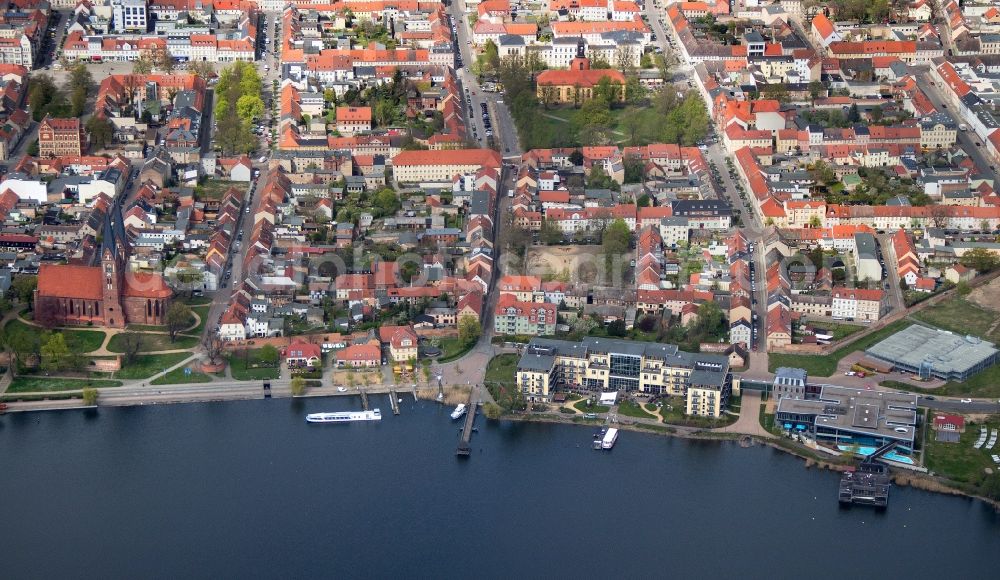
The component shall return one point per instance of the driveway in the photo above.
(749, 421)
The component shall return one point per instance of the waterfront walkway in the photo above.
(749, 421)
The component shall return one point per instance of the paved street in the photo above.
(968, 140)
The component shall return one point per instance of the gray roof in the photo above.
(946, 352)
(885, 413)
(865, 243)
(790, 374)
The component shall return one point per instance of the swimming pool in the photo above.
(891, 456)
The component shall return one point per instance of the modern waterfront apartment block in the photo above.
(605, 364)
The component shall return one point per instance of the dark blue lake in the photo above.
(249, 490)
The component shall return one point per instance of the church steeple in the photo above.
(113, 258)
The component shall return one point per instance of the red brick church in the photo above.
(104, 294)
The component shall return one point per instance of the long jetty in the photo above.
(470, 418)
(364, 399)
(394, 401)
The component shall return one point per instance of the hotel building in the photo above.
(620, 365)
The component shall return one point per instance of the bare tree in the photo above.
(131, 345)
(178, 318)
(213, 346)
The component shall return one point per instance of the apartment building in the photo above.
(60, 137)
(525, 318)
(441, 166)
(858, 304)
(352, 120)
(866, 257)
(129, 16)
(621, 365)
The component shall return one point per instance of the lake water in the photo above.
(249, 490)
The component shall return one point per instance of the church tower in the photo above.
(113, 264)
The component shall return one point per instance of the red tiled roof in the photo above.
(69, 281)
(146, 285)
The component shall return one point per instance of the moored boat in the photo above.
(344, 417)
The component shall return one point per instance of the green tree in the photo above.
(384, 112)
(249, 107)
(23, 288)
(386, 202)
(178, 318)
(492, 411)
(599, 62)
(592, 123)
(643, 201)
(599, 179)
(101, 132)
(144, 64)
(268, 354)
(634, 172)
(607, 91)
(549, 233)
(979, 259)
(633, 123)
(468, 330)
(89, 396)
(55, 353)
(617, 328)
(775, 91)
(816, 88)
(298, 386)
(615, 241)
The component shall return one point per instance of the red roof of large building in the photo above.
(587, 78)
(145, 285)
(483, 157)
(70, 281)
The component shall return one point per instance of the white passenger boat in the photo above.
(345, 417)
(459, 411)
(609, 438)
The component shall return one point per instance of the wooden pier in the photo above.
(394, 401)
(364, 399)
(470, 419)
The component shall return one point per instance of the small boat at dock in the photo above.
(459, 411)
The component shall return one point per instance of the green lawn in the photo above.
(177, 377)
(583, 407)
(78, 341)
(630, 409)
(959, 461)
(502, 369)
(216, 188)
(841, 331)
(251, 368)
(197, 301)
(147, 365)
(826, 366)
(674, 415)
(147, 328)
(40, 384)
(202, 312)
(154, 342)
(960, 316)
(453, 348)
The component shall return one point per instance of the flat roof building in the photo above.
(932, 352)
(848, 416)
